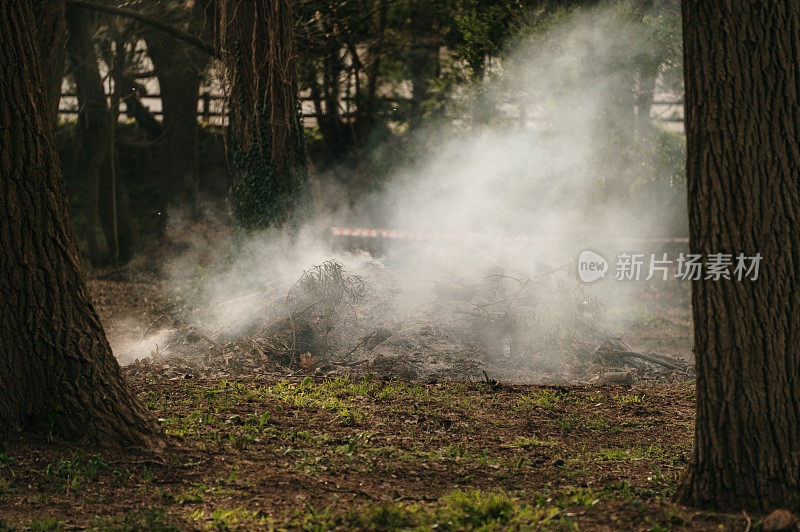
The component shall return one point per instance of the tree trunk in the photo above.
(56, 368)
(93, 116)
(423, 58)
(645, 94)
(178, 67)
(267, 147)
(366, 116)
(742, 115)
(335, 132)
(51, 33)
(126, 231)
(119, 226)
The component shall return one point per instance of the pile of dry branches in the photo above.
(524, 329)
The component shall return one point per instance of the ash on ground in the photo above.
(506, 327)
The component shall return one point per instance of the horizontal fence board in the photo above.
(205, 99)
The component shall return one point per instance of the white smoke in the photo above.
(532, 165)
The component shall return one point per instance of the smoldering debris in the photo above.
(330, 323)
(473, 307)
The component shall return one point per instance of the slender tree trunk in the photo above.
(126, 231)
(119, 225)
(93, 116)
(645, 94)
(56, 368)
(333, 128)
(742, 114)
(367, 115)
(424, 58)
(326, 90)
(270, 179)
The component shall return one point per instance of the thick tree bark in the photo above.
(56, 368)
(742, 115)
(51, 33)
(267, 146)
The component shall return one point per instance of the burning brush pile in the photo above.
(534, 329)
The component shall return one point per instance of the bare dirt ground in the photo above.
(363, 452)
(655, 316)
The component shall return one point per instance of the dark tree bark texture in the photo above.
(267, 149)
(742, 75)
(51, 33)
(57, 371)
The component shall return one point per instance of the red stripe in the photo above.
(409, 235)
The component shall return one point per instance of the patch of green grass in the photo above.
(387, 516)
(45, 523)
(224, 519)
(670, 518)
(353, 445)
(71, 474)
(151, 519)
(475, 509)
(658, 490)
(193, 495)
(6, 485)
(350, 417)
(654, 453)
(577, 422)
(625, 399)
(526, 442)
(423, 453)
(330, 394)
(459, 510)
(544, 398)
(231, 478)
(312, 464)
(4, 457)
(153, 400)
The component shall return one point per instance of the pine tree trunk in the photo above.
(56, 368)
(270, 178)
(742, 115)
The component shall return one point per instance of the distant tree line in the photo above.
(375, 70)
